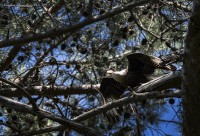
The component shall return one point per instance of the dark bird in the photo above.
(140, 68)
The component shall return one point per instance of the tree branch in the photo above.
(156, 85)
(47, 90)
(45, 114)
(171, 80)
(150, 90)
(11, 55)
(72, 28)
(22, 90)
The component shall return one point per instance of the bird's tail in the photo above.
(109, 91)
(113, 115)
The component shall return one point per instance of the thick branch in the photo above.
(154, 85)
(171, 80)
(126, 100)
(47, 90)
(118, 103)
(150, 89)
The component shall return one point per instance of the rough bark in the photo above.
(191, 75)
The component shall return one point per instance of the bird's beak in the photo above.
(109, 72)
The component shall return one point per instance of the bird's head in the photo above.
(109, 73)
(117, 75)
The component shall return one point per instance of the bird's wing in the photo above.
(109, 87)
(139, 62)
(111, 90)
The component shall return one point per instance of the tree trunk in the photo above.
(191, 75)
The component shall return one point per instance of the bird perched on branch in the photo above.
(140, 68)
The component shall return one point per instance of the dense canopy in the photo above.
(55, 53)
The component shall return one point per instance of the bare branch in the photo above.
(47, 90)
(171, 80)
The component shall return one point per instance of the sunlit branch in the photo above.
(47, 90)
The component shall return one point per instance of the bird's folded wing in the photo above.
(111, 88)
